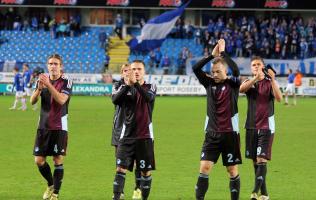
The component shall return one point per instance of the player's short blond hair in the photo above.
(123, 66)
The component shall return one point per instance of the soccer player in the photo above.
(261, 90)
(18, 85)
(290, 88)
(27, 74)
(136, 99)
(221, 127)
(52, 132)
(118, 125)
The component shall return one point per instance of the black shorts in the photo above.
(115, 138)
(227, 144)
(258, 144)
(140, 150)
(50, 143)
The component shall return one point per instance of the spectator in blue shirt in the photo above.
(166, 64)
(158, 56)
(119, 26)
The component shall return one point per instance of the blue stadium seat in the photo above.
(34, 47)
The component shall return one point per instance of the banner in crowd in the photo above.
(306, 66)
(198, 4)
(223, 3)
(117, 2)
(12, 1)
(276, 4)
(170, 2)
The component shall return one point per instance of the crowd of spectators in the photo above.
(35, 20)
(278, 37)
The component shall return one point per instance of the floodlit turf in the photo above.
(178, 127)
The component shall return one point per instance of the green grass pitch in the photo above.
(178, 128)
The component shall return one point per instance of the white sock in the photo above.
(15, 102)
(23, 100)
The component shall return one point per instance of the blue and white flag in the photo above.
(155, 31)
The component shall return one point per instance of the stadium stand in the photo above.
(81, 53)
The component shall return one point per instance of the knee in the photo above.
(232, 171)
(206, 167)
(121, 170)
(58, 160)
(146, 173)
(261, 160)
(39, 161)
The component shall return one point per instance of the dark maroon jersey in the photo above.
(137, 104)
(54, 116)
(260, 114)
(222, 98)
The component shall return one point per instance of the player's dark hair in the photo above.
(139, 61)
(257, 58)
(290, 70)
(16, 69)
(57, 56)
(26, 65)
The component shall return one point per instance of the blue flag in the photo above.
(155, 31)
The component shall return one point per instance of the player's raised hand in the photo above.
(40, 85)
(271, 74)
(131, 78)
(257, 76)
(221, 45)
(215, 51)
(43, 78)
